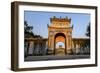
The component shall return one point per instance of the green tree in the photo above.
(85, 46)
(87, 43)
(28, 30)
(88, 30)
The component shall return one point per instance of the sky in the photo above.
(39, 21)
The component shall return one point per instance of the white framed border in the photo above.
(35, 64)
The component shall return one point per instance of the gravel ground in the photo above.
(57, 57)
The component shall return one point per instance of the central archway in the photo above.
(60, 44)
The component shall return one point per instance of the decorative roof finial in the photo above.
(72, 26)
(60, 17)
(47, 25)
(66, 17)
(54, 16)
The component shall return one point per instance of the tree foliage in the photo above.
(88, 30)
(28, 31)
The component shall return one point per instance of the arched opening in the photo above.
(59, 44)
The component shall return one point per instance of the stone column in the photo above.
(37, 48)
(46, 47)
(30, 51)
(26, 48)
(33, 47)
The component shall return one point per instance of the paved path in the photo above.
(57, 57)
